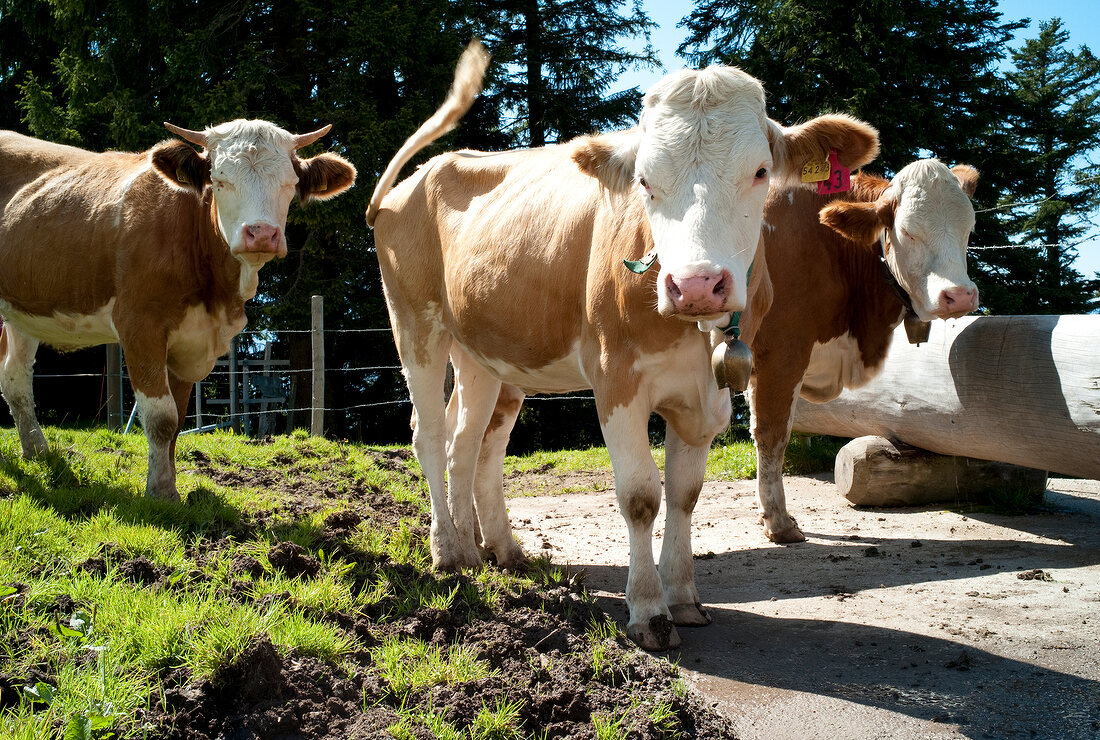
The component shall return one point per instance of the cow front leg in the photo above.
(181, 394)
(492, 509)
(685, 470)
(772, 396)
(468, 412)
(17, 384)
(147, 363)
(160, 420)
(638, 490)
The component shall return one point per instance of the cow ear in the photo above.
(855, 142)
(178, 163)
(858, 221)
(967, 177)
(324, 176)
(609, 158)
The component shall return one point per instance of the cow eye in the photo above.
(761, 173)
(645, 185)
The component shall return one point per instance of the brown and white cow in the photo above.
(512, 263)
(825, 321)
(157, 251)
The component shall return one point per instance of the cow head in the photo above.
(701, 159)
(923, 219)
(254, 171)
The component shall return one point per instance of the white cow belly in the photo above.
(199, 340)
(834, 366)
(559, 376)
(65, 331)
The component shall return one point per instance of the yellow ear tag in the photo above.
(181, 178)
(816, 170)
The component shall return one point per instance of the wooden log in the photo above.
(1016, 389)
(873, 471)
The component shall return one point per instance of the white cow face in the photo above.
(701, 160)
(924, 219)
(254, 172)
(703, 165)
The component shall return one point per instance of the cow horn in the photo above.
(195, 137)
(302, 140)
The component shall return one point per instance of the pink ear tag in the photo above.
(840, 177)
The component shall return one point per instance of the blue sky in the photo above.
(1080, 17)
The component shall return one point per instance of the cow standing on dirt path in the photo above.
(512, 264)
(825, 310)
(157, 251)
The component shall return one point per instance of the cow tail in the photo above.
(468, 77)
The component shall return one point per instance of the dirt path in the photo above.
(886, 623)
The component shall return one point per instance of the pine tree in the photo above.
(1053, 124)
(557, 62)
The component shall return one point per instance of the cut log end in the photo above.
(874, 471)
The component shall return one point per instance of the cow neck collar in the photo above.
(915, 329)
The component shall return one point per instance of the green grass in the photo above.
(85, 500)
(735, 460)
(407, 664)
(106, 642)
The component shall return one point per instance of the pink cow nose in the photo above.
(699, 294)
(957, 301)
(261, 238)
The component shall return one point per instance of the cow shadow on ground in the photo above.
(982, 693)
(60, 485)
(916, 653)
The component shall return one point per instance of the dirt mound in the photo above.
(547, 647)
(532, 649)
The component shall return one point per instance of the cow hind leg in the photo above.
(638, 490)
(492, 510)
(468, 411)
(685, 469)
(451, 549)
(16, 383)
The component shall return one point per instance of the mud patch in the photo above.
(539, 655)
(293, 560)
(546, 479)
(538, 645)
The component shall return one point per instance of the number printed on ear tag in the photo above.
(816, 171)
(840, 177)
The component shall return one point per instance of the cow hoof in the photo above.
(170, 495)
(456, 562)
(655, 635)
(788, 536)
(37, 447)
(689, 615)
(512, 560)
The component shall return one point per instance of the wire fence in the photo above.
(256, 388)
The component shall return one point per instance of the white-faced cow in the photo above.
(844, 270)
(157, 251)
(512, 263)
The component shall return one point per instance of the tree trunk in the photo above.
(1018, 389)
(535, 104)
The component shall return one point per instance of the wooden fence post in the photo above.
(234, 412)
(115, 418)
(317, 417)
